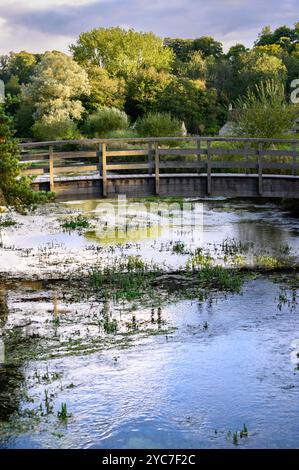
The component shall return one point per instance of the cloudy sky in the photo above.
(38, 25)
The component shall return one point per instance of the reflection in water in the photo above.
(3, 307)
(11, 376)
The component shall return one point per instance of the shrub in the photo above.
(264, 112)
(60, 129)
(15, 189)
(159, 125)
(104, 121)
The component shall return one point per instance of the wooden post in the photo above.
(260, 169)
(104, 169)
(246, 155)
(209, 169)
(198, 145)
(99, 157)
(150, 158)
(157, 170)
(51, 168)
(294, 170)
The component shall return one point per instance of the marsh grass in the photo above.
(76, 223)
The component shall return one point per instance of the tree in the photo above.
(186, 100)
(256, 67)
(143, 91)
(21, 64)
(180, 47)
(55, 91)
(264, 112)
(121, 52)
(105, 91)
(208, 46)
(235, 52)
(15, 189)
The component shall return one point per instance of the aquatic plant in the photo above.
(7, 222)
(63, 414)
(76, 223)
(267, 262)
(244, 431)
(235, 439)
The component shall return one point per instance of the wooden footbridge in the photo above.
(187, 167)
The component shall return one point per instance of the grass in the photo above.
(63, 414)
(7, 222)
(76, 223)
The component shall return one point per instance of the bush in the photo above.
(159, 125)
(122, 134)
(265, 113)
(15, 189)
(104, 121)
(62, 129)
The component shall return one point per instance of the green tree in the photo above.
(121, 52)
(21, 64)
(180, 47)
(55, 91)
(15, 189)
(264, 112)
(187, 100)
(208, 46)
(105, 91)
(144, 89)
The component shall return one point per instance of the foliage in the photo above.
(105, 91)
(55, 89)
(55, 129)
(76, 223)
(186, 100)
(105, 120)
(264, 112)
(158, 125)
(14, 189)
(144, 89)
(121, 52)
(20, 64)
(192, 79)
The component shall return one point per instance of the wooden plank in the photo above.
(182, 164)
(51, 168)
(74, 155)
(209, 170)
(280, 166)
(35, 157)
(260, 170)
(75, 169)
(194, 151)
(33, 171)
(127, 166)
(104, 169)
(233, 164)
(157, 170)
(126, 153)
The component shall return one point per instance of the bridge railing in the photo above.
(156, 157)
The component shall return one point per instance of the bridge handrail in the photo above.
(55, 143)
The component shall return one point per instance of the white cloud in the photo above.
(44, 4)
(12, 39)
